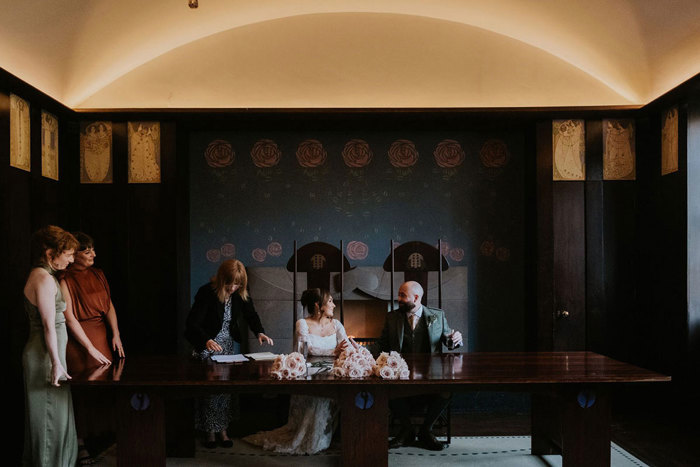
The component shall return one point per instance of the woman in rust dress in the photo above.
(91, 306)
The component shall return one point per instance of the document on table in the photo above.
(229, 358)
(260, 356)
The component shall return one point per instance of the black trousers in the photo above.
(434, 405)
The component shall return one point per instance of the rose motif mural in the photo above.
(457, 254)
(357, 153)
(310, 153)
(259, 255)
(265, 153)
(274, 249)
(219, 153)
(357, 250)
(487, 248)
(403, 153)
(448, 154)
(228, 250)
(494, 154)
(213, 256)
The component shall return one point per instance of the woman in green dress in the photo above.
(50, 437)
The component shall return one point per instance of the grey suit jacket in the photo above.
(392, 334)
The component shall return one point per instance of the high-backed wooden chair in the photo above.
(417, 259)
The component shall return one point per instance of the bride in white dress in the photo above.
(312, 420)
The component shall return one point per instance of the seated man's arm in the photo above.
(382, 344)
(456, 335)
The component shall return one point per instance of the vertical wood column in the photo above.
(561, 245)
(545, 254)
(569, 244)
(596, 323)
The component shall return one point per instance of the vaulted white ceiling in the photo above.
(350, 53)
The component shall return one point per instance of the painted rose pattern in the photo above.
(274, 249)
(357, 153)
(357, 250)
(494, 154)
(213, 255)
(448, 154)
(265, 153)
(259, 255)
(403, 153)
(487, 248)
(311, 153)
(219, 153)
(457, 254)
(228, 250)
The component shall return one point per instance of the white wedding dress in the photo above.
(312, 420)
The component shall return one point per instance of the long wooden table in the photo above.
(571, 398)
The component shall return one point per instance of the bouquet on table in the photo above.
(353, 363)
(289, 366)
(391, 366)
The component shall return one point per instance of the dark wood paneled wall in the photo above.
(28, 201)
(135, 230)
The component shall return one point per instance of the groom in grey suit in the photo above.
(415, 328)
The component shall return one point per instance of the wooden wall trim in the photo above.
(545, 252)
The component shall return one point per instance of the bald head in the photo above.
(410, 296)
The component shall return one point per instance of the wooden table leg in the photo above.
(585, 427)
(545, 436)
(140, 429)
(364, 418)
(179, 427)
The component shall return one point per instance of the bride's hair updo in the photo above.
(310, 297)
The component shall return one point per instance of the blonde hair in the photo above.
(51, 238)
(231, 271)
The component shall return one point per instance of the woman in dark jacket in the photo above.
(212, 329)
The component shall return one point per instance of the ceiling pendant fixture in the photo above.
(193, 3)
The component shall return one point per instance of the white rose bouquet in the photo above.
(289, 366)
(353, 363)
(391, 366)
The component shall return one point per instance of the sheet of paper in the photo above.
(229, 358)
(261, 356)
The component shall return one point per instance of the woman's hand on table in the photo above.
(117, 346)
(263, 338)
(97, 355)
(213, 346)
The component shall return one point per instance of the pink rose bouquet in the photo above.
(391, 366)
(354, 363)
(289, 366)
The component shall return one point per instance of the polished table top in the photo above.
(487, 368)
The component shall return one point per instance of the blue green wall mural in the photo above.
(252, 193)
